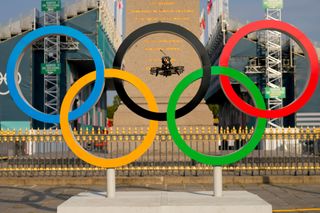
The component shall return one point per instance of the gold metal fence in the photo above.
(287, 151)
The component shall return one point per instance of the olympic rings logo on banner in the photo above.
(172, 113)
(3, 79)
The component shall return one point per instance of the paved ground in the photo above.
(34, 199)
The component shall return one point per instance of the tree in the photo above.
(112, 109)
(116, 101)
(214, 108)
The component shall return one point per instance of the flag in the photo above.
(209, 5)
(202, 21)
(120, 5)
(202, 26)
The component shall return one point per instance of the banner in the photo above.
(119, 23)
(202, 22)
(209, 6)
(273, 4)
(50, 5)
(217, 10)
(275, 92)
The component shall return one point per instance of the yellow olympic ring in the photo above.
(77, 149)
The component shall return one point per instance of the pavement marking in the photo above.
(297, 210)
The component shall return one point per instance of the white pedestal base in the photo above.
(166, 202)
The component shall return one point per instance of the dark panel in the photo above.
(302, 76)
(8, 110)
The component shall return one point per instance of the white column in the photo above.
(111, 183)
(217, 181)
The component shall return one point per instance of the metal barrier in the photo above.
(289, 151)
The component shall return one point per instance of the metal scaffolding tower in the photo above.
(274, 65)
(51, 62)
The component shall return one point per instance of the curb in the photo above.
(162, 180)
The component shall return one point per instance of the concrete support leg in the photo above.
(111, 183)
(217, 181)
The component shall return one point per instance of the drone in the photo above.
(167, 69)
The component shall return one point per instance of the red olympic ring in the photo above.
(309, 51)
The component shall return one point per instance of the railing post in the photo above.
(217, 181)
(111, 183)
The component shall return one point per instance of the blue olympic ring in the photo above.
(15, 59)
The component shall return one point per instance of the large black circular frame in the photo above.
(171, 29)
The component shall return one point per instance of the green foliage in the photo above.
(214, 108)
(116, 101)
(112, 109)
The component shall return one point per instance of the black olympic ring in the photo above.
(163, 28)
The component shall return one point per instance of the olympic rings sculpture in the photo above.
(152, 114)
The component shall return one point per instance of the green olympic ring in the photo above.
(225, 159)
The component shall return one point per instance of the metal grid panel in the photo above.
(51, 56)
(274, 65)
